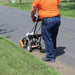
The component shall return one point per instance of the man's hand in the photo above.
(59, 4)
(33, 11)
(34, 19)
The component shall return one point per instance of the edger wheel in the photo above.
(40, 48)
(29, 48)
(21, 43)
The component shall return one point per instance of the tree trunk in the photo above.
(20, 1)
(67, 1)
(9, 1)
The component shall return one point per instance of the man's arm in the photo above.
(33, 11)
(59, 4)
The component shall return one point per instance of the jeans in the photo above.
(49, 34)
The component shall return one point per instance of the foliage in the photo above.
(68, 0)
(67, 9)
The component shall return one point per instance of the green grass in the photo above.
(17, 1)
(67, 9)
(3, 2)
(23, 6)
(16, 61)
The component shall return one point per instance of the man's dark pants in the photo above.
(49, 33)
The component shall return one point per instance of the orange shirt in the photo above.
(47, 8)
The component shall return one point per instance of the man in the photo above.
(50, 21)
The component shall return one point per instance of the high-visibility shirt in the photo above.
(46, 8)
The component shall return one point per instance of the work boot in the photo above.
(48, 59)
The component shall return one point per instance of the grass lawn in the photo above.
(23, 6)
(16, 61)
(67, 9)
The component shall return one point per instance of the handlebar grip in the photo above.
(34, 18)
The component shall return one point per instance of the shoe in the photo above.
(48, 59)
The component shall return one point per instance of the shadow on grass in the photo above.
(1, 37)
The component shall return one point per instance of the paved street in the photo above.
(15, 23)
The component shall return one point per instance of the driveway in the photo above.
(15, 23)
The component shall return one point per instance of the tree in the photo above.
(67, 1)
(20, 1)
(9, 1)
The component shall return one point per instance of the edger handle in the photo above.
(35, 26)
(37, 20)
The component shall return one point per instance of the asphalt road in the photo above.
(15, 23)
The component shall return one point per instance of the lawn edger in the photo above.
(32, 39)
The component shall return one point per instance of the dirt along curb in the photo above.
(57, 65)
